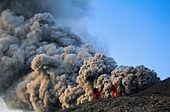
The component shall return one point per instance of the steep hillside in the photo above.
(154, 99)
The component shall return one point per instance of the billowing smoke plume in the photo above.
(45, 67)
(131, 80)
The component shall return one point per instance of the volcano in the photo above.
(46, 66)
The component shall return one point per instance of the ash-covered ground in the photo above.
(154, 99)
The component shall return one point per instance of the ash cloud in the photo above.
(27, 8)
(45, 67)
(61, 9)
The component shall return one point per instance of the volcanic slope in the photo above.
(154, 99)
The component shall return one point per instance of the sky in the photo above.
(136, 32)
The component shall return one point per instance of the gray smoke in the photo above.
(27, 8)
(61, 9)
(45, 67)
(132, 80)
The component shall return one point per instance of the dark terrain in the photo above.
(154, 99)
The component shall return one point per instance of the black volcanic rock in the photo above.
(154, 99)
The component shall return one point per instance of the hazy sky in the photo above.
(135, 31)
